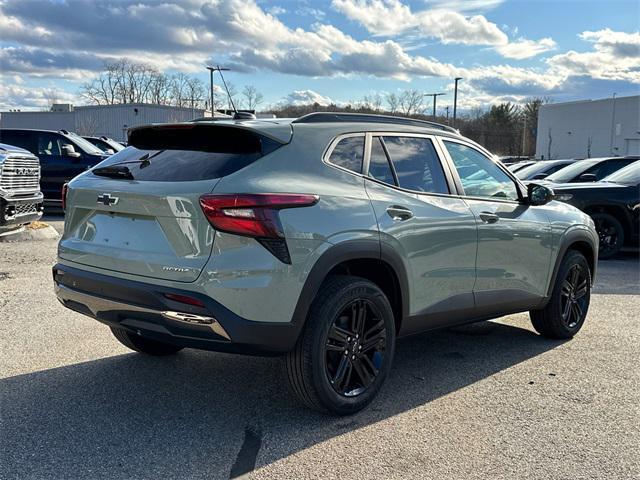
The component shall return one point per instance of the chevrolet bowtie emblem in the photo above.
(107, 200)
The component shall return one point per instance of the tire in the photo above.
(143, 345)
(337, 366)
(567, 308)
(610, 233)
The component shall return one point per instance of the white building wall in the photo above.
(597, 128)
(110, 120)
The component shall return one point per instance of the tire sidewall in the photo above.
(326, 314)
(572, 259)
(619, 231)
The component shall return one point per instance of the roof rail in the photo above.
(326, 117)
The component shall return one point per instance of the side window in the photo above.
(48, 144)
(417, 164)
(379, 167)
(606, 168)
(349, 153)
(480, 177)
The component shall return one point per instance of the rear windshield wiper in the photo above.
(120, 170)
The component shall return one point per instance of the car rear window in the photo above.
(177, 165)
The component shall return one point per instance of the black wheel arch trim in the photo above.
(343, 252)
(571, 239)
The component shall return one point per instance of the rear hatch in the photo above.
(139, 211)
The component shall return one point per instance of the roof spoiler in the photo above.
(204, 137)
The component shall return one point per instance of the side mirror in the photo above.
(539, 194)
(69, 151)
(587, 177)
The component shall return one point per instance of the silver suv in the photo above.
(322, 238)
(20, 196)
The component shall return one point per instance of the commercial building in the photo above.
(96, 120)
(589, 128)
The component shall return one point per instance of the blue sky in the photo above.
(335, 50)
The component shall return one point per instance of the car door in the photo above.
(514, 238)
(433, 230)
(57, 168)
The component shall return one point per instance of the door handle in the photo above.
(488, 217)
(399, 213)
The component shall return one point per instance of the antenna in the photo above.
(220, 70)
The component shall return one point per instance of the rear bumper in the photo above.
(143, 309)
(19, 211)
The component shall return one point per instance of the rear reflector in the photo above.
(184, 299)
(255, 215)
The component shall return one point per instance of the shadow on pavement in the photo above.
(208, 415)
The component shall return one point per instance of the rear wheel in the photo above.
(610, 233)
(345, 351)
(567, 308)
(143, 345)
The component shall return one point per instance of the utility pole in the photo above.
(219, 69)
(434, 95)
(211, 69)
(455, 100)
(447, 109)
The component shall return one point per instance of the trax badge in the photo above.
(107, 199)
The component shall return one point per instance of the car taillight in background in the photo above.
(65, 188)
(255, 215)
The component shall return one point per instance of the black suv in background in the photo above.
(62, 155)
(613, 204)
(590, 170)
(106, 144)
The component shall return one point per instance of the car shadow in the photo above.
(201, 414)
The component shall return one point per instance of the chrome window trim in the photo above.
(519, 186)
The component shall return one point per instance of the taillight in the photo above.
(254, 216)
(65, 189)
(184, 299)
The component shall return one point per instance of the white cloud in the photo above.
(523, 48)
(306, 97)
(16, 95)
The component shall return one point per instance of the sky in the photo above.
(329, 51)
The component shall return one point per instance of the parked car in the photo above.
(322, 238)
(510, 160)
(106, 144)
(590, 170)
(62, 155)
(542, 169)
(613, 204)
(20, 196)
(514, 167)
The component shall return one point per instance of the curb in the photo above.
(44, 233)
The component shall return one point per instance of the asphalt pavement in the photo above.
(491, 400)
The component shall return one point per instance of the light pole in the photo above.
(211, 69)
(434, 95)
(455, 100)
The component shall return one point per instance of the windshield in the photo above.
(570, 172)
(85, 145)
(629, 175)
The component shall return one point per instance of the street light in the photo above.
(211, 70)
(434, 95)
(455, 100)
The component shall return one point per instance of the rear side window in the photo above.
(417, 164)
(348, 153)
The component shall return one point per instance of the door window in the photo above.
(606, 168)
(479, 175)
(348, 153)
(379, 167)
(417, 164)
(49, 144)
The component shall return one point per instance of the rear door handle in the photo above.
(488, 217)
(399, 213)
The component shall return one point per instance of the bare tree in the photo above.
(196, 92)
(252, 97)
(411, 102)
(393, 102)
(87, 125)
(51, 97)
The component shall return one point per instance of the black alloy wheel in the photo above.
(355, 348)
(573, 295)
(610, 234)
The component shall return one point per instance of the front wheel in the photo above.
(610, 234)
(567, 308)
(345, 351)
